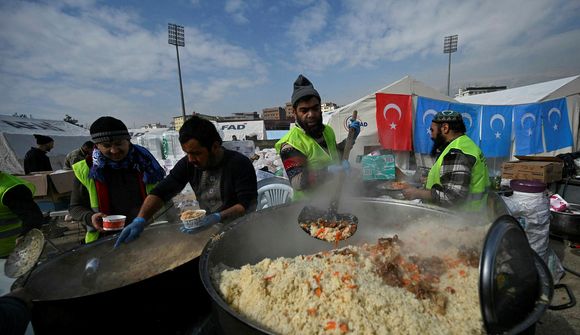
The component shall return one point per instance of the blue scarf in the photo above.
(138, 158)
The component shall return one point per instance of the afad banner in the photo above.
(394, 121)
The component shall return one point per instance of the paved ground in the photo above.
(555, 322)
(565, 321)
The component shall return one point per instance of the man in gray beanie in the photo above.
(309, 151)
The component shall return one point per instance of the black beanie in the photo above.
(41, 139)
(303, 88)
(108, 129)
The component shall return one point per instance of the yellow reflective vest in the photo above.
(317, 157)
(81, 170)
(10, 224)
(479, 174)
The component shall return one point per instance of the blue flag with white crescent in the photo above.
(426, 110)
(470, 114)
(496, 131)
(557, 133)
(528, 129)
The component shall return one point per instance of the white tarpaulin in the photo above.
(568, 88)
(16, 138)
(366, 108)
(242, 130)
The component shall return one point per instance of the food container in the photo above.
(274, 233)
(192, 218)
(566, 224)
(114, 222)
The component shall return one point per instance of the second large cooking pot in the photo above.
(274, 233)
(151, 285)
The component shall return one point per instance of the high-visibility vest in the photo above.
(317, 157)
(479, 183)
(81, 170)
(10, 224)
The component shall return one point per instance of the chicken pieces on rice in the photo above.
(379, 288)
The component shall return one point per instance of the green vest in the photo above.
(10, 224)
(479, 175)
(81, 170)
(317, 157)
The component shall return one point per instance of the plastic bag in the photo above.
(532, 210)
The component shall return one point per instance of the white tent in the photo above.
(568, 88)
(368, 139)
(16, 139)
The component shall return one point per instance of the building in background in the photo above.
(328, 106)
(275, 118)
(289, 112)
(478, 90)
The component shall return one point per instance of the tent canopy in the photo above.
(366, 108)
(527, 94)
(16, 138)
(568, 88)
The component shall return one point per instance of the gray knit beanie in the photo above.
(303, 88)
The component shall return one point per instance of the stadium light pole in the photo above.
(177, 38)
(449, 47)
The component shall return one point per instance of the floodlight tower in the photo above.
(449, 47)
(177, 38)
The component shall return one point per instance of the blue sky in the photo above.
(89, 58)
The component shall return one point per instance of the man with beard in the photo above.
(224, 181)
(36, 158)
(459, 178)
(309, 151)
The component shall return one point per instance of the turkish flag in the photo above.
(394, 122)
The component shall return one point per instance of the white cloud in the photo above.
(74, 56)
(311, 21)
(371, 32)
(237, 8)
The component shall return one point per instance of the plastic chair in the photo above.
(274, 195)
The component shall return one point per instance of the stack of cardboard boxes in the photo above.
(51, 186)
(544, 169)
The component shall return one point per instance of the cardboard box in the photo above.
(40, 181)
(62, 180)
(544, 169)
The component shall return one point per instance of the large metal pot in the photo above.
(274, 233)
(137, 288)
(567, 224)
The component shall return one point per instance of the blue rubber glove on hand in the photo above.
(343, 166)
(131, 232)
(206, 221)
(354, 124)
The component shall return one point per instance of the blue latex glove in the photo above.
(354, 124)
(343, 166)
(206, 221)
(131, 232)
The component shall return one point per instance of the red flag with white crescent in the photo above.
(394, 122)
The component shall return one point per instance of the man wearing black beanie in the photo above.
(36, 158)
(113, 180)
(309, 151)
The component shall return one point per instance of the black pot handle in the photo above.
(571, 301)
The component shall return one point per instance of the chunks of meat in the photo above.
(391, 274)
(469, 256)
(389, 242)
(432, 265)
(345, 252)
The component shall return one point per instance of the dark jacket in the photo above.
(36, 160)
(237, 183)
